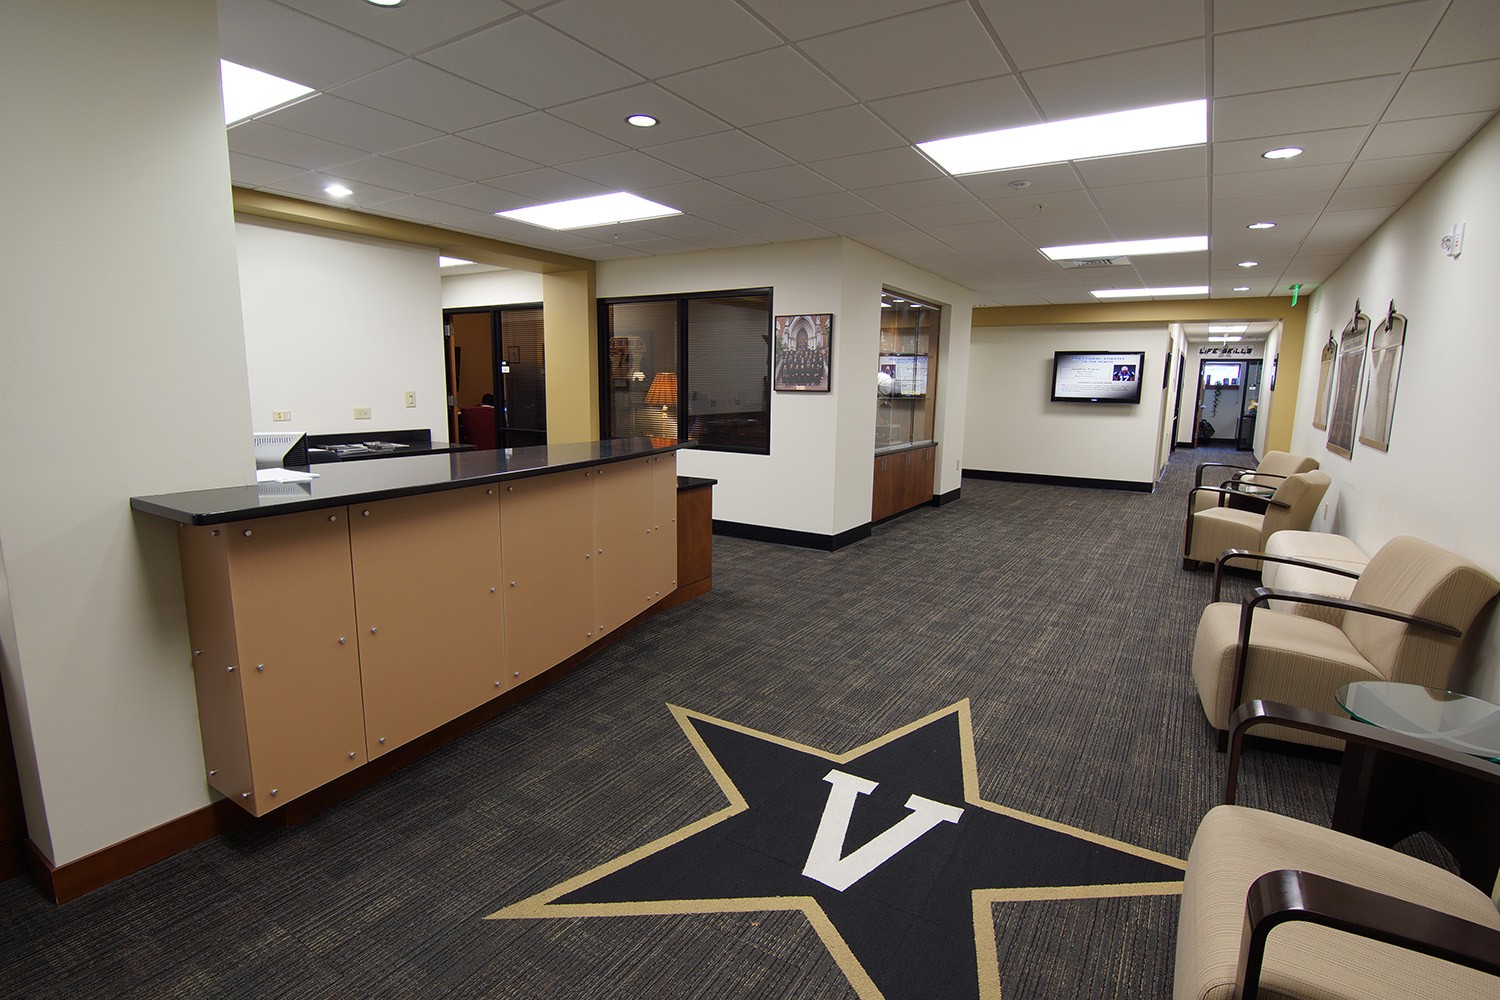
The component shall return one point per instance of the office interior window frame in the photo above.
(509, 431)
(626, 356)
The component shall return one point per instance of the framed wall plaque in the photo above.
(802, 353)
(1347, 378)
(1380, 391)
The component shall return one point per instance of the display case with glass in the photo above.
(906, 380)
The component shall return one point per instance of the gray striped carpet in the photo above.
(1061, 614)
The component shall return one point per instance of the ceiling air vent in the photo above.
(1095, 262)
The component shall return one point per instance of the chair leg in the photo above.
(1190, 564)
(1221, 740)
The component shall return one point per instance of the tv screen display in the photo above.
(1097, 376)
(1216, 374)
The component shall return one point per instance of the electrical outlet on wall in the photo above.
(361, 413)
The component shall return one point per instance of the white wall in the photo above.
(1013, 426)
(1440, 478)
(491, 288)
(120, 159)
(333, 323)
(822, 442)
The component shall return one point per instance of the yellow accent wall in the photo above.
(571, 321)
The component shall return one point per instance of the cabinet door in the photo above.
(547, 531)
(622, 542)
(431, 634)
(663, 525)
(295, 663)
(883, 500)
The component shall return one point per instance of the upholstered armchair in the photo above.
(1251, 486)
(1211, 530)
(1402, 622)
(1352, 920)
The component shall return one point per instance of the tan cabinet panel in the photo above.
(431, 633)
(546, 530)
(291, 602)
(663, 525)
(623, 562)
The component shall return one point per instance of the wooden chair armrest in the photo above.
(1259, 712)
(1224, 492)
(1283, 896)
(1198, 480)
(1230, 554)
(1260, 595)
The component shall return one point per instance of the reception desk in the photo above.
(335, 621)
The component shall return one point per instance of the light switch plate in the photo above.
(361, 413)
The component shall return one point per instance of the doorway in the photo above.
(497, 381)
(1220, 402)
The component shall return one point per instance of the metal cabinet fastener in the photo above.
(213, 771)
(382, 739)
(247, 532)
(244, 795)
(351, 754)
(367, 513)
(341, 640)
(517, 674)
(197, 652)
(274, 792)
(261, 667)
(229, 669)
(373, 631)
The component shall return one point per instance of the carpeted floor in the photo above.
(1060, 615)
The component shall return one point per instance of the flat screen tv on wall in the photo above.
(1097, 376)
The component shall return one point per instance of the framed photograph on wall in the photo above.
(1325, 384)
(1346, 384)
(802, 353)
(1380, 390)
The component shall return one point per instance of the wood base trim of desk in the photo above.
(69, 881)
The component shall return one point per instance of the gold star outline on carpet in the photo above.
(888, 850)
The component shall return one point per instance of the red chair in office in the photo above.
(477, 426)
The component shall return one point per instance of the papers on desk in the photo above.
(283, 476)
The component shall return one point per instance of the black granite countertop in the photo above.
(343, 483)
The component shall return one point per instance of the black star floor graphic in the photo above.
(888, 849)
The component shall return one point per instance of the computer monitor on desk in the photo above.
(280, 450)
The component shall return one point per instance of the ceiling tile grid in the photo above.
(783, 120)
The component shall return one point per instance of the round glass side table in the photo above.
(1444, 718)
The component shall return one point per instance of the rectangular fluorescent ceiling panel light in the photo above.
(249, 92)
(600, 210)
(452, 262)
(1131, 248)
(1166, 126)
(1148, 293)
(1228, 327)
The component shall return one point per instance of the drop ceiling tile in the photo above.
(461, 158)
(1302, 109)
(1292, 180)
(1137, 168)
(252, 171)
(690, 228)
(341, 121)
(859, 227)
(1337, 145)
(818, 207)
(1353, 222)
(1152, 222)
(269, 142)
(1042, 34)
(1062, 229)
(728, 152)
(694, 196)
(1141, 78)
(825, 134)
(546, 185)
(1319, 51)
(1147, 194)
(1270, 204)
(310, 185)
(1394, 170)
(962, 109)
(411, 27)
(606, 114)
(604, 252)
(928, 216)
(520, 59)
(426, 210)
(903, 241)
(661, 245)
(777, 83)
(628, 171)
(1032, 205)
(479, 197)
(544, 138)
(659, 37)
(916, 194)
(1289, 227)
(1232, 15)
(799, 19)
(1048, 179)
(1383, 196)
(1468, 32)
(271, 38)
(764, 222)
(395, 174)
(1448, 90)
(1426, 135)
(419, 92)
(930, 48)
(878, 169)
(1172, 270)
(779, 183)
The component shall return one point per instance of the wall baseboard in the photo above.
(69, 881)
(1123, 485)
(944, 499)
(786, 536)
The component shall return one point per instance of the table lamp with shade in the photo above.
(663, 393)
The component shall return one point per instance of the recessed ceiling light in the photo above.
(1242, 288)
(1249, 263)
(386, 3)
(249, 92)
(600, 210)
(1135, 248)
(1166, 126)
(452, 261)
(1226, 338)
(338, 190)
(1284, 153)
(1261, 225)
(641, 121)
(1147, 293)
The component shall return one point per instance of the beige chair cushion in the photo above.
(1316, 546)
(1218, 528)
(1293, 659)
(1302, 580)
(1235, 845)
